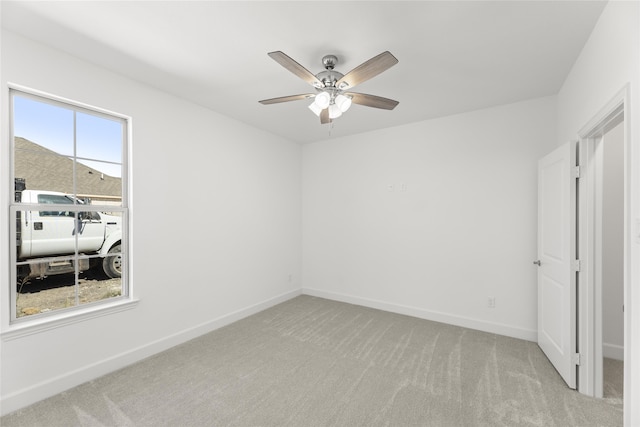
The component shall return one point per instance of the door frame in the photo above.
(590, 152)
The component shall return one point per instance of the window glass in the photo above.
(42, 169)
(99, 181)
(50, 126)
(99, 138)
(54, 198)
(68, 164)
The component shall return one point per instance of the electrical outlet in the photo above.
(491, 302)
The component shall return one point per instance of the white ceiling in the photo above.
(454, 56)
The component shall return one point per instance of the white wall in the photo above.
(613, 243)
(431, 218)
(609, 61)
(216, 214)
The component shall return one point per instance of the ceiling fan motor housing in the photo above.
(329, 77)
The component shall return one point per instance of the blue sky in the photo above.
(98, 140)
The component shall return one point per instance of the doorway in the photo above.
(602, 206)
(612, 249)
(583, 254)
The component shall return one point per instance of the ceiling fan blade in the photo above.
(297, 69)
(287, 98)
(367, 70)
(324, 116)
(372, 100)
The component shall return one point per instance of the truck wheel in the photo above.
(112, 265)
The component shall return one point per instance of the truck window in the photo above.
(55, 199)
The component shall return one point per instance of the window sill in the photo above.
(36, 326)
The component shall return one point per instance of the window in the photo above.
(59, 199)
(69, 216)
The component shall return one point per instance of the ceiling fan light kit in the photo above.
(331, 98)
(334, 111)
(316, 110)
(336, 104)
(343, 102)
(322, 100)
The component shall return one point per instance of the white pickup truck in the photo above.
(45, 238)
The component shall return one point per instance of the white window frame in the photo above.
(14, 327)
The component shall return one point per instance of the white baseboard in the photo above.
(613, 351)
(53, 386)
(466, 322)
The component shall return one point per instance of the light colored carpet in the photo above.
(315, 362)
(613, 379)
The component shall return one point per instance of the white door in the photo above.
(556, 260)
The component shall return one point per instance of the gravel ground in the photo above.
(56, 292)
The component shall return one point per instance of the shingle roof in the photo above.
(44, 169)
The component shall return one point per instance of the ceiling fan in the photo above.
(333, 89)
